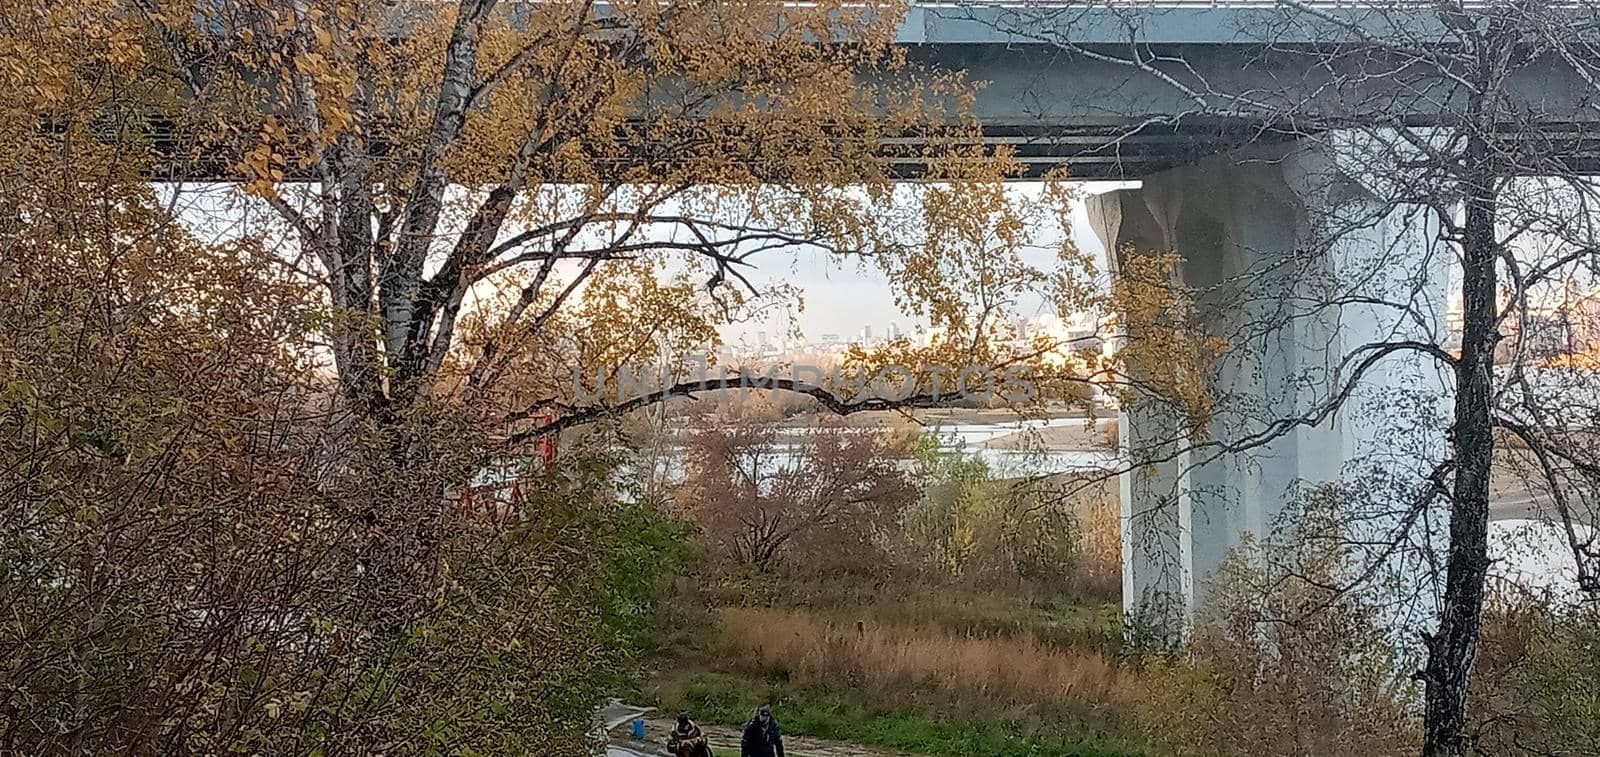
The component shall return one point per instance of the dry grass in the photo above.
(880, 658)
(1100, 562)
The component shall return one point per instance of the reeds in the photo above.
(1018, 669)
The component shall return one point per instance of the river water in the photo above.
(968, 439)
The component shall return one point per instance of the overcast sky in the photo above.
(841, 301)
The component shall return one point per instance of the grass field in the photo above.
(931, 726)
(936, 674)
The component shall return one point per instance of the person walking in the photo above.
(687, 740)
(762, 737)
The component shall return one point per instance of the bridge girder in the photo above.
(1120, 91)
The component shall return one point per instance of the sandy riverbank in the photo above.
(1074, 435)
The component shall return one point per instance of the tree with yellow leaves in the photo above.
(232, 418)
(495, 169)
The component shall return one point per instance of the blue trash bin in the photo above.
(638, 729)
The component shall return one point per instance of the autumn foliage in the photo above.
(279, 280)
(189, 561)
(825, 496)
(235, 417)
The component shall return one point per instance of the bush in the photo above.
(759, 502)
(1284, 662)
(200, 555)
(1536, 684)
(1057, 535)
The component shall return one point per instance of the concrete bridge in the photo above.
(1251, 126)
(1126, 89)
(1265, 137)
(1121, 89)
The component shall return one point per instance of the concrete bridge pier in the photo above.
(1295, 259)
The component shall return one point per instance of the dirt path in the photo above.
(725, 743)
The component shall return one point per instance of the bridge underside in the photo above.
(1114, 91)
(1085, 151)
(1111, 152)
(1117, 151)
(1129, 152)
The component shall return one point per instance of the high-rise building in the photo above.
(893, 332)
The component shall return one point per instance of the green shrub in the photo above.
(1284, 661)
(1536, 684)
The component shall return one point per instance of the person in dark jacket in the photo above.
(762, 737)
(687, 740)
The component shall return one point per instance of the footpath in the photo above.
(616, 719)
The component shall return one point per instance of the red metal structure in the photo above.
(496, 491)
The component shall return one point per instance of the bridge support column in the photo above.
(1299, 263)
